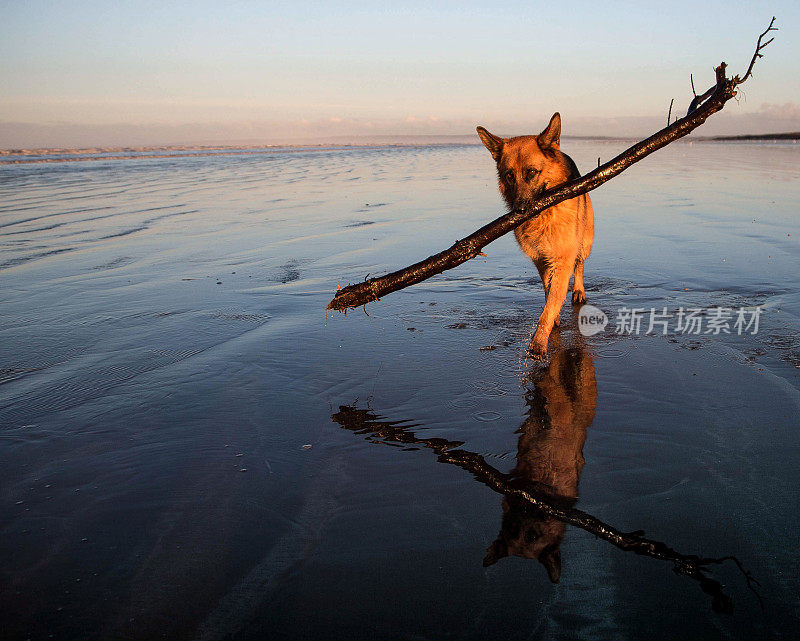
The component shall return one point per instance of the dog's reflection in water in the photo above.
(562, 399)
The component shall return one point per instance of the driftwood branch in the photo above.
(695, 567)
(463, 250)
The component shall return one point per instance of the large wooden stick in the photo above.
(700, 109)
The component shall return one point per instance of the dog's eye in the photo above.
(530, 174)
(509, 176)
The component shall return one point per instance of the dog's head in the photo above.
(528, 165)
(529, 534)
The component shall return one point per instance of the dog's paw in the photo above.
(578, 297)
(538, 349)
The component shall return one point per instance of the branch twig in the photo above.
(463, 250)
(759, 47)
(698, 100)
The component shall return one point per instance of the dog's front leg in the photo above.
(556, 293)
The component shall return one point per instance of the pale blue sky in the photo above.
(341, 67)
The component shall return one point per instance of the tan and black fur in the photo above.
(559, 239)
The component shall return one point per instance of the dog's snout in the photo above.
(522, 204)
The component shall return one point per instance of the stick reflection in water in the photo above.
(539, 494)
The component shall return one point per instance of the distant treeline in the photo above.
(792, 135)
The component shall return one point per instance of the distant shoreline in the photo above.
(793, 135)
(52, 155)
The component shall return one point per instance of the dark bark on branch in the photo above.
(690, 565)
(700, 109)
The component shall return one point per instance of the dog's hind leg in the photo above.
(578, 289)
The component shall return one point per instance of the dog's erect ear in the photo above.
(496, 551)
(493, 143)
(550, 138)
(551, 560)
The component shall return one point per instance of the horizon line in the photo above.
(55, 154)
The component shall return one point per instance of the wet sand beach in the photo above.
(190, 448)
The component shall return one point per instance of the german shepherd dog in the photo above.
(559, 239)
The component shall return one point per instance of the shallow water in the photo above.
(177, 455)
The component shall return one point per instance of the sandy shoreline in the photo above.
(13, 157)
(81, 158)
(60, 154)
